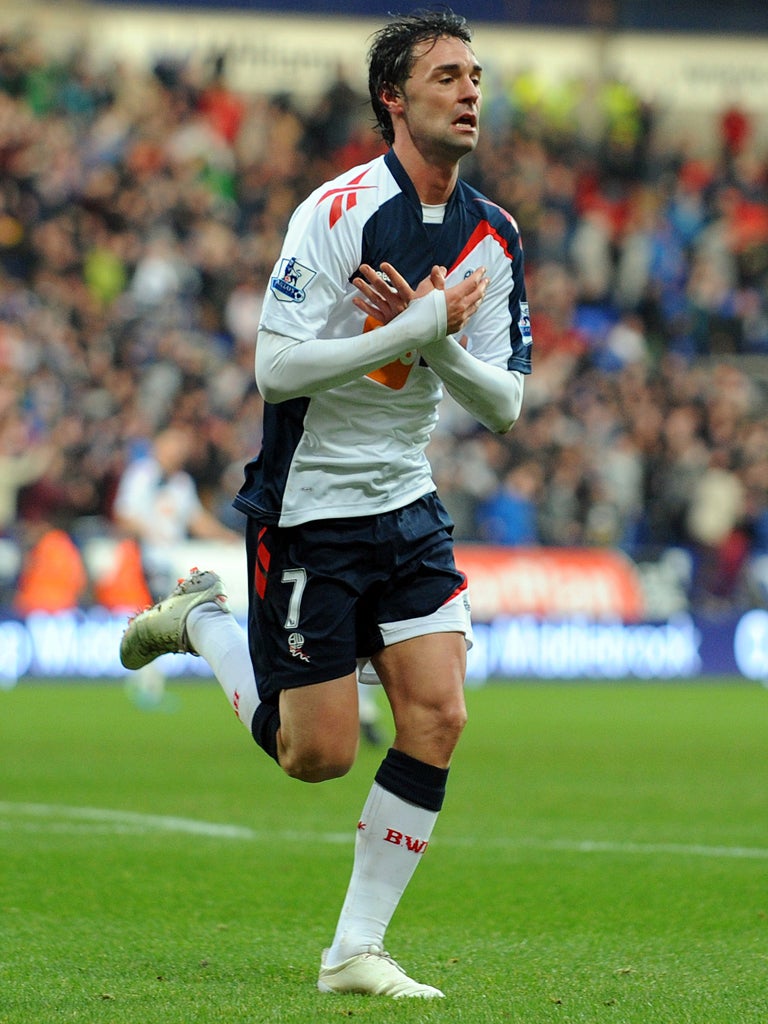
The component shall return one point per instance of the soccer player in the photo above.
(157, 503)
(396, 280)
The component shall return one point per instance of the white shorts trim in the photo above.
(455, 616)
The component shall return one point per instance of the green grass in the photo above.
(602, 857)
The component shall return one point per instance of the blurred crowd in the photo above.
(141, 213)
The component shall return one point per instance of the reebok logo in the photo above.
(400, 839)
(343, 198)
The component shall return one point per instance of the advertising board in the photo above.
(537, 614)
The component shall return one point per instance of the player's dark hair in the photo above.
(391, 57)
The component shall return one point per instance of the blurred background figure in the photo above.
(508, 515)
(370, 715)
(157, 504)
(53, 576)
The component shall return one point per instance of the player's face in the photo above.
(441, 99)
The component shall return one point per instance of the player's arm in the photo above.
(289, 368)
(492, 394)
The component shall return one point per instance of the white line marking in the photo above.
(59, 818)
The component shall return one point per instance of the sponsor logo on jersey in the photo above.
(524, 323)
(295, 643)
(395, 374)
(343, 198)
(291, 283)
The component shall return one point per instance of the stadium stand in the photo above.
(140, 214)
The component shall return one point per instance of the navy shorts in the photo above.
(318, 591)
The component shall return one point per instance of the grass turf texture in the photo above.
(602, 857)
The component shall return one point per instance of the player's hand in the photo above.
(382, 297)
(463, 299)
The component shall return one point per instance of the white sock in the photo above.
(217, 637)
(391, 837)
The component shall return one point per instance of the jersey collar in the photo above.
(406, 185)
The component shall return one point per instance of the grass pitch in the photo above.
(602, 857)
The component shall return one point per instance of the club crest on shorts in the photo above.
(295, 643)
(290, 284)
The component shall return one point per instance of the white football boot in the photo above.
(372, 973)
(161, 628)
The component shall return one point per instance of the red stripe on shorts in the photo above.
(458, 590)
(262, 565)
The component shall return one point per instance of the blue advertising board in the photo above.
(81, 644)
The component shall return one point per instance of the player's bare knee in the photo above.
(314, 771)
(451, 718)
(316, 765)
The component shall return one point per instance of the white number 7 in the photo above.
(298, 577)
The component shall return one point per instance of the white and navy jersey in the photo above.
(162, 505)
(359, 449)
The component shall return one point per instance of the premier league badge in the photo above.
(291, 283)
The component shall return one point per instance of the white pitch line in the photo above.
(59, 818)
(48, 817)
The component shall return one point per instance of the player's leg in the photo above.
(302, 636)
(421, 666)
(223, 643)
(319, 730)
(194, 618)
(312, 731)
(423, 678)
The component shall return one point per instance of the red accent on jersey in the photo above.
(483, 230)
(348, 193)
(336, 210)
